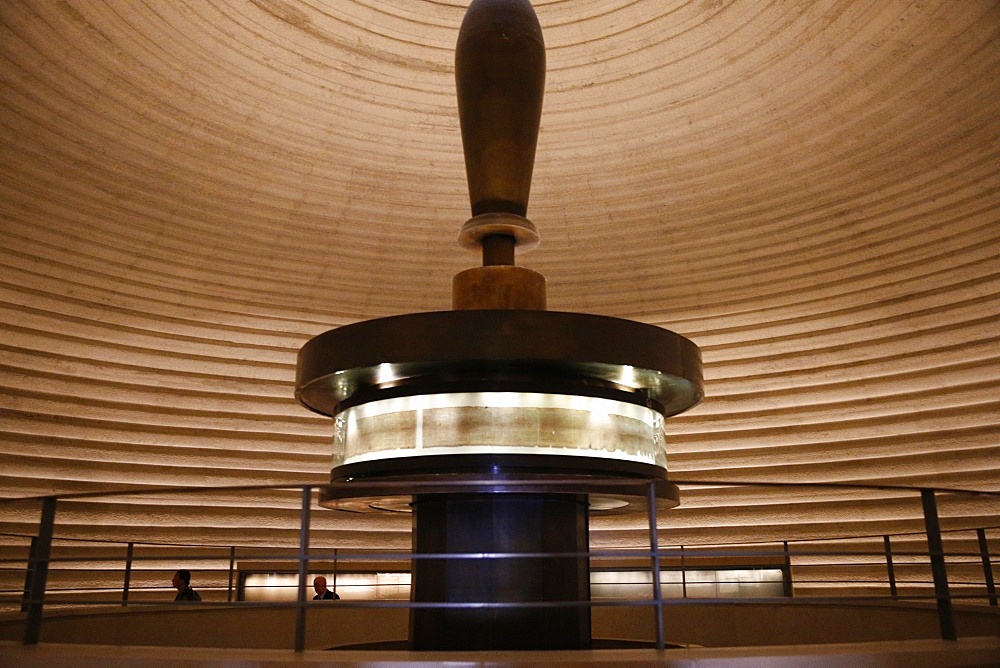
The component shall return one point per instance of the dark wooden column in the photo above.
(501, 523)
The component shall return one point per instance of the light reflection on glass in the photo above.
(605, 584)
(269, 587)
(499, 423)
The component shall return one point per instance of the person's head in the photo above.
(181, 579)
(319, 584)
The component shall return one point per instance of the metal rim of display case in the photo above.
(496, 351)
(499, 350)
(370, 487)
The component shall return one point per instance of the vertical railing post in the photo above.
(232, 569)
(300, 610)
(38, 562)
(335, 570)
(786, 572)
(889, 567)
(654, 542)
(29, 573)
(984, 552)
(938, 569)
(128, 572)
(684, 575)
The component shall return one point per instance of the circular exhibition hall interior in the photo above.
(247, 247)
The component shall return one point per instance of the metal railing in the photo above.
(659, 558)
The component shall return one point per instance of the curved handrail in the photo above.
(635, 486)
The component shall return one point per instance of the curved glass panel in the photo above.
(498, 423)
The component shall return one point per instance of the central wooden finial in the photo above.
(500, 76)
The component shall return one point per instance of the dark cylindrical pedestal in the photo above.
(500, 523)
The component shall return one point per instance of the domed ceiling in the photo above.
(191, 190)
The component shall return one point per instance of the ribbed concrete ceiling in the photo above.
(190, 190)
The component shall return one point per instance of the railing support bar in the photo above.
(39, 565)
(984, 552)
(654, 543)
(684, 578)
(334, 570)
(786, 572)
(889, 566)
(232, 570)
(128, 572)
(28, 573)
(935, 547)
(300, 611)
